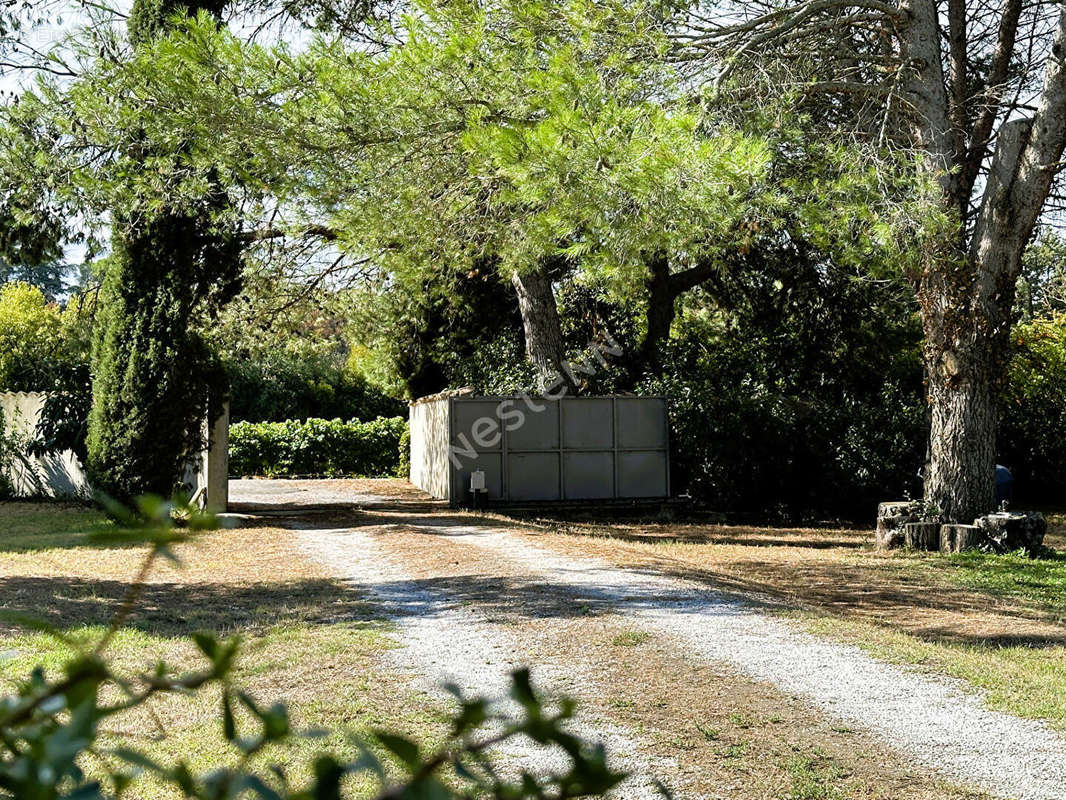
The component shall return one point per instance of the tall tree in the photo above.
(154, 380)
(978, 90)
(547, 140)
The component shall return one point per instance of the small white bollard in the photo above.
(477, 487)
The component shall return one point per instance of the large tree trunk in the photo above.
(544, 337)
(963, 366)
(662, 295)
(966, 291)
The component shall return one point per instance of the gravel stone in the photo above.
(443, 643)
(939, 723)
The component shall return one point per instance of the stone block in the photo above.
(1007, 531)
(921, 535)
(891, 517)
(957, 538)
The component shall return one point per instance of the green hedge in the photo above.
(319, 448)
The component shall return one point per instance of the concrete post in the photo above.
(217, 464)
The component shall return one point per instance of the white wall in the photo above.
(62, 475)
(430, 427)
(54, 475)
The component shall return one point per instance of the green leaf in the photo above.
(139, 759)
(229, 725)
(207, 643)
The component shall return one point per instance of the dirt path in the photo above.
(711, 695)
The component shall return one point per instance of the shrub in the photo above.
(1032, 440)
(319, 448)
(403, 468)
(18, 473)
(8, 455)
(281, 385)
(29, 334)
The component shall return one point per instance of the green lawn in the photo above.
(44, 526)
(1040, 581)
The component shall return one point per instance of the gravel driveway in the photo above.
(442, 579)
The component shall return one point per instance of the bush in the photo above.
(319, 448)
(8, 456)
(795, 391)
(1032, 440)
(283, 385)
(29, 335)
(403, 468)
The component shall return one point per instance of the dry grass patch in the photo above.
(994, 621)
(309, 641)
(729, 736)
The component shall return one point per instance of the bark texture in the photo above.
(664, 287)
(545, 346)
(966, 291)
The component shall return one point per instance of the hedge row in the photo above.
(319, 448)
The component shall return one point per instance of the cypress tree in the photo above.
(154, 380)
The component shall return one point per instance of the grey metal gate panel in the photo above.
(588, 476)
(641, 423)
(539, 428)
(490, 463)
(588, 423)
(533, 476)
(642, 474)
(475, 425)
(583, 448)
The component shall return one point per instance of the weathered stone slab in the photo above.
(921, 535)
(1007, 531)
(957, 538)
(891, 517)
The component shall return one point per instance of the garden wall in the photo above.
(429, 445)
(52, 474)
(62, 474)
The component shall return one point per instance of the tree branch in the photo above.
(323, 232)
(991, 96)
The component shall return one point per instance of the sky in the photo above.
(69, 16)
